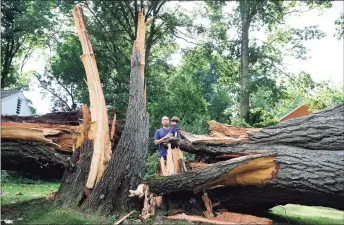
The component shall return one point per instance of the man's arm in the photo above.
(157, 139)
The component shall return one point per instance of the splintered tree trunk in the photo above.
(39, 145)
(99, 130)
(310, 155)
(125, 169)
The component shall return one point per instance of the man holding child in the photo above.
(165, 132)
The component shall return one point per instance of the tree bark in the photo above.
(244, 79)
(72, 190)
(33, 158)
(39, 145)
(310, 155)
(53, 137)
(235, 172)
(125, 168)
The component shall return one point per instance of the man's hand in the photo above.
(156, 142)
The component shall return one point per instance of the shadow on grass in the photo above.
(40, 211)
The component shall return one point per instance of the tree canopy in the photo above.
(226, 74)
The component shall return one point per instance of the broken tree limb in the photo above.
(311, 168)
(208, 205)
(99, 117)
(124, 217)
(223, 218)
(224, 130)
(247, 170)
(40, 145)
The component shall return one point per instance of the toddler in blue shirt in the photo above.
(174, 129)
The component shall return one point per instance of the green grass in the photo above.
(299, 214)
(23, 201)
(13, 192)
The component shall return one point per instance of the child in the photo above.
(174, 129)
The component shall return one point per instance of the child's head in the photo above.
(174, 121)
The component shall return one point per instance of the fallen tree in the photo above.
(310, 155)
(39, 145)
(43, 145)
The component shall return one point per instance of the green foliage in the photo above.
(261, 118)
(151, 166)
(64, 77)
(182, 98)
(340, 27)
(324, 96)
(23, 27)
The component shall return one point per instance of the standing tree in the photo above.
(22, 24)
(109, 191)
(269, 14)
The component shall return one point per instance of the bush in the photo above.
(151, 166)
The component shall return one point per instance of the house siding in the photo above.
(9, 105)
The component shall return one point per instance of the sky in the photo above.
(326, 62)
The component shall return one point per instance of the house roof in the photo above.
(303, 111)
(6, 93)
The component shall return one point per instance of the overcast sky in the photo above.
(326, 62)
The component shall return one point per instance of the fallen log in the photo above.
(41, 145)
(246, 170)
(33, 158)
(310, 155)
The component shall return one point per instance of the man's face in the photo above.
(173, 123)
(165, 121)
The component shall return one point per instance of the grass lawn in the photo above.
(23, 202)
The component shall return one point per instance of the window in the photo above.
(18, 106)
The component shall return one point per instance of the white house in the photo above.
(14, 103)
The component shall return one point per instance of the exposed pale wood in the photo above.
(84, 127)
(230, 131)
(241, 171)
(198, 165)
(163, 167)
(224, 219)
(176, 158)
(102, 145)
(149, 205)
(113, 127)
(208, 205)
(195, 138)
(241, 218)
(125, 170)
(170, 164)
(60, 137)
(124, 217)
(26, 134)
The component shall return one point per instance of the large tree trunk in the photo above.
(39, 145)
(310, 155)
(125, 169)
(247, 170)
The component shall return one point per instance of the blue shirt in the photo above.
(174, 129)
(160, 133)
